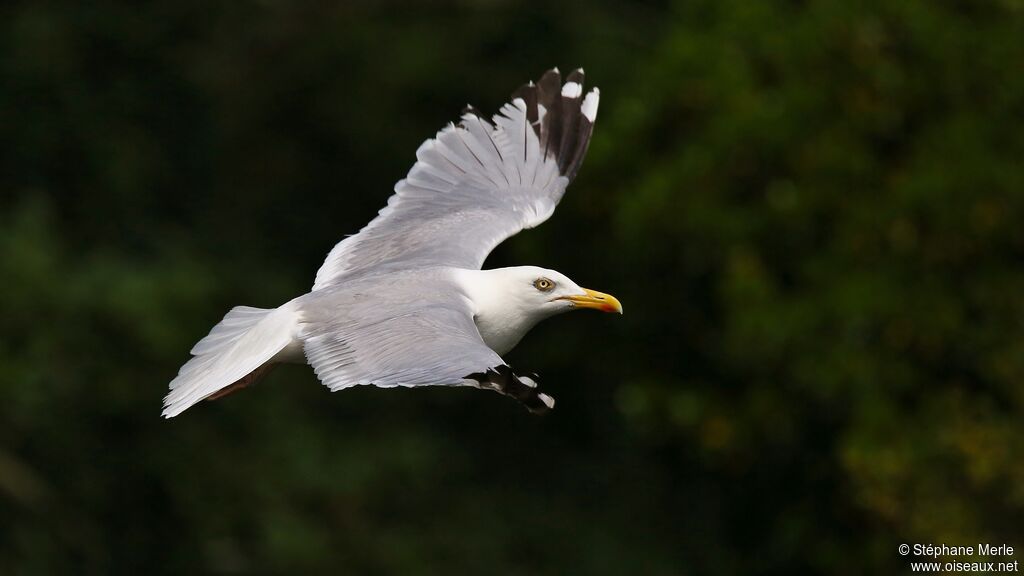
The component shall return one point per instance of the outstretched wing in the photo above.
(369, 333)
(477, 183)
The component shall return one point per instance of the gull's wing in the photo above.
(477, 183)
(379, 333)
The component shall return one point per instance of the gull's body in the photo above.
(404, 302)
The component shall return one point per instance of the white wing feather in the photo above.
(389, 332)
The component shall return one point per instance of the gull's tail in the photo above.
(240, 349)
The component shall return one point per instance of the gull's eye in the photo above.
(543, 284)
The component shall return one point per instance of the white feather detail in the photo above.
(589, 106)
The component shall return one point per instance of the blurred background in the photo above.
(811, 212)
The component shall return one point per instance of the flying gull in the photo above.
(405, 302)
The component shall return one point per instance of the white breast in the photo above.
(501, 332)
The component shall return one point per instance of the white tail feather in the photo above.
(243, 341)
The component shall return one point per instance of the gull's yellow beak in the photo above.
(596, 300)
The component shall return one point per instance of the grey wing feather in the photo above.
(382, 335)
(477, 183)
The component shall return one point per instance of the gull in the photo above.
(405, 302)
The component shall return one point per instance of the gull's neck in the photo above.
(500, 315)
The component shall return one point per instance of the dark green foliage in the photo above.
(810, 210)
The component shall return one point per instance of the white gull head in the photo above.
(508, 302)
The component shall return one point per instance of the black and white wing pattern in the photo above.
(477, 183)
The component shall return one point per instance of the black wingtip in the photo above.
(566, 117)
(501, 379)
(528, 94)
